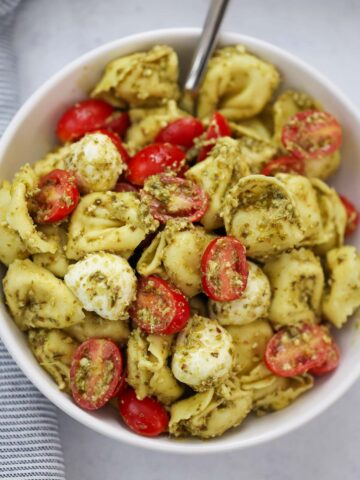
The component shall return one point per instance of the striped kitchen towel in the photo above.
(30, 447)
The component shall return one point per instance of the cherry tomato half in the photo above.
(118, 122)
(153, 159)
(284, 165)
(159, 307)
(146, 417)
(83, 117)
(95, 373)
(353, 216)
(174, 197)
(294, 350)
(312, 134)
(331, 362)
(57, 198)
(181, 132)
(224, 269)
(218, 127)
(117, 142)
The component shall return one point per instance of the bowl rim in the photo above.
(54, 395)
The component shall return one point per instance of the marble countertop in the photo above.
(47, 35)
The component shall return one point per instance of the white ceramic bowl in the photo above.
(31, 134)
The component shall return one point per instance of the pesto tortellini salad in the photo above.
(183, 261)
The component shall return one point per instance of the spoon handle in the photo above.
(206, 45)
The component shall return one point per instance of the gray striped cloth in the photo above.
(29, 438)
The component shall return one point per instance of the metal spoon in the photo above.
(203, 52)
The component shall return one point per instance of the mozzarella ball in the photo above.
(203, 354)
(104, 283)
(96, 162)
(253, 304)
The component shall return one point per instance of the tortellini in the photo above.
(237, 84)
(142, 79)
(104, 283)
(203, 354)
(262, 214)
(147, 122)
(96, 161)
(93, 326)
(249, 343)
(252, 305)
(272, 393)
(147, 369)
(219, 171)
(53, 160)
(253, 128)
(114, 222)
(37, 299)
(18, 215)
(257, 153)
(53, 349)
(56, 262)
(297, 284)
(175, 253)
(11, 245)
(209, 414)
(342, 295)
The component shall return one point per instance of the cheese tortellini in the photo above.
(175, 253)
(57, 262)
(237, 84)
(203, 354)
(142, 79)
(37, 299)
(147, 369)
(342, 294)
(114, 222)
(216, 174)
(297, 284)
(252, 305)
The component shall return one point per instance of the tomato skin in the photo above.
(121, 386)
(331, 362)
(117, 142)
(311, 134)
(96, 360)
(224, 269)
(181, 132)
(146, 417)
(81, 118)
(125, 187)
(153, 159)
(159, 307)
(295, 350)
(353, 217)
(191, 199)
(57, 198)
(218, 127)
(118, 123)
(284, 165)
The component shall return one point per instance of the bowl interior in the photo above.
(31, 135)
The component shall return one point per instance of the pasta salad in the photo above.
(183, 260)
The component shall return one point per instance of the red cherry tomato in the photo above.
(174, 197)
(181, 132)
(57, 198)
(224, 269)
(311, 134)
(294, 350)
(118, 122)
(120, 386)
(218, 127)
(146, 417)
(95, 373)
(154, 159)
(353, 216)
(117, 142)
(331, 361)
(159, 307)
(284, 165)
(125, 187)
(83, 117)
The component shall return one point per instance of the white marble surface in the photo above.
(50, 33)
